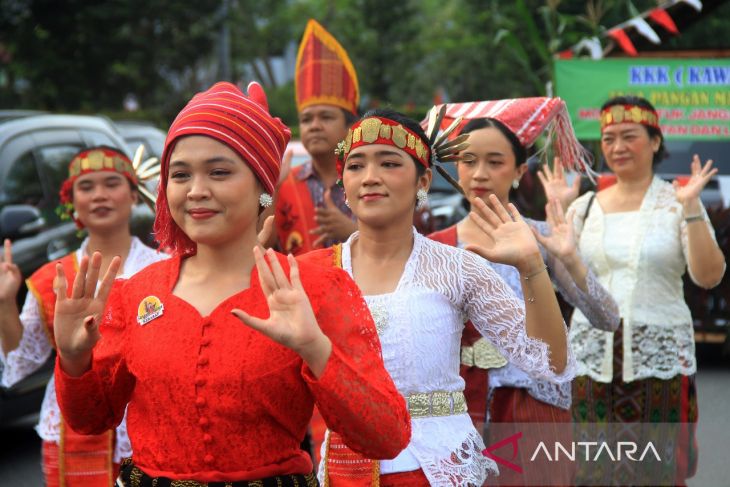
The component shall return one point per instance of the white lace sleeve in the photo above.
(597, 304)
(500, 317)
(34, 347)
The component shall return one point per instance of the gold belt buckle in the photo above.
(483, 355)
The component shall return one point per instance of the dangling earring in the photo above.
(265, 200)
(515, 183)
(347, 202)
(421, 198)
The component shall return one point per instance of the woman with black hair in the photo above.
(497, 391)
(99, 194)
(419, 292)
(639, 236)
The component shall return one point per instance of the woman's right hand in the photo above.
(77, 318)
(10, 277)
(555, 185)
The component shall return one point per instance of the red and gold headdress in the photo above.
(380, 130)
(615, 114)
(88, 161)
(324, 72)
(528, 118)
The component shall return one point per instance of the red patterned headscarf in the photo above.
(92, 160)
(244, 124)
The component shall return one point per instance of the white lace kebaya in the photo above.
(420, 326)
(640, 257)
(597, 304)
(35, 348)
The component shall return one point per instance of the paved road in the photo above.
(20, 446)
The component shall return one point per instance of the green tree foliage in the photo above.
(86, 55)
(81, 55)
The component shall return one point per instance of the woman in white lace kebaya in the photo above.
(98, 194)
(498, 392)
(420, 293)
(639, 236)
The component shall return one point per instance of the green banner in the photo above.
(692, 96)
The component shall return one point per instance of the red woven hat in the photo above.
(241, 122)
(528, 118)
(324, 72)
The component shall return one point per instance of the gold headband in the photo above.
(628, 114)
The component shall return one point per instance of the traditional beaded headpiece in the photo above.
(92, 160)
(629, 114)
(380, 130)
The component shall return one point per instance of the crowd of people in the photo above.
(202, 363)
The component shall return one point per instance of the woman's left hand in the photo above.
(561, 241)
(291, 320)
(512, 241)
(701, 175)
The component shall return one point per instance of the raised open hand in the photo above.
(10, 277)
(291, 320)
(77, 318)
(701, 175)
(555, 185)
(561, 241)
(513, 241)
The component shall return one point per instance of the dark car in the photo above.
(142, 133)
(35, 151)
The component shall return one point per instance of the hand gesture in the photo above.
(556, 186)
(291, 319)
(285, 167)
(512, 241)
(10, 277)
(333, 224)
(77, 318)
(701, 175)
(561, 241)
(266, 232)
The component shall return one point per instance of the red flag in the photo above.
(661, 17)
(619, 35)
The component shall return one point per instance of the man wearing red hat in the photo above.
(310, 210)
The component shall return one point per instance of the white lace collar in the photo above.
(411, 264)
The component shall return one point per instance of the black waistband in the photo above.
(132, 476)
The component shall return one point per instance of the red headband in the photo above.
(629, 114)
(378, 130)
(92, 160)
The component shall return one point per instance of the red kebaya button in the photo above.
(207, 438)
(199, 380)
(208, 459)
(207, 322)
(203, 422)
(200, 401)
(202, 360)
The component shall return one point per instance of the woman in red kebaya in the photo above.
(222, 363)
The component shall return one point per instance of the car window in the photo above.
(95, 138)
(53, 161)
(22, 186)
